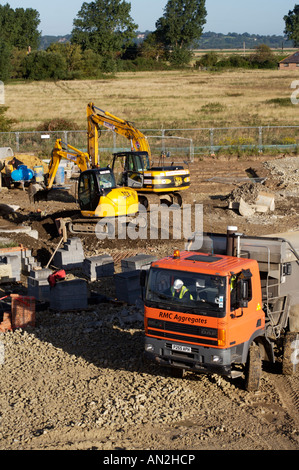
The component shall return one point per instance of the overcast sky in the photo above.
(239, 16)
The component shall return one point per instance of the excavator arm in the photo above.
(97, 117)
(62, 150)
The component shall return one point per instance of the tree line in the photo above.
(261, 58)
(103, 40)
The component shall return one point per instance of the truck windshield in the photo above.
(201, 294)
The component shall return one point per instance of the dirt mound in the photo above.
(29, 160)
(248, 192)
(285, 171)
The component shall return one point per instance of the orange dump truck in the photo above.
(225, 308)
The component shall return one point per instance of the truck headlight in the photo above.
(149, 347)
(217, 359)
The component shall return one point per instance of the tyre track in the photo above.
(288, 391)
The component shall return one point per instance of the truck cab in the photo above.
(212, 325)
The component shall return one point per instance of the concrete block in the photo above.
(71, 255)
(137, 262)
(96, 267)
(14, 261)
(69, 295)
(40, 273)
(42, 293)
(127, 286)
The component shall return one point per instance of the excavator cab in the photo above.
(99, 196)
(93, 184)
(133, 165)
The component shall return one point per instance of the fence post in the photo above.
(163, 140)
(17, 141)
(212, 141)
(260, 139)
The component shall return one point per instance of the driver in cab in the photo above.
(179, 291)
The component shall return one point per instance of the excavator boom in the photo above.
(97, 117)
(63, 150)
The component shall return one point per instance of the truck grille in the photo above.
(166, 329)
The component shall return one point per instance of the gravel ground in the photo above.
(78, 381)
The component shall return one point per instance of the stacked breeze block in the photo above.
(69, 295)
(98, 266)
(13, 262)
(38, 285)
(136, 262)
(71, 255)
(127, 283)
(127, 286)
(22, 311)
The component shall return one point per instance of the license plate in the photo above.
(176, 347)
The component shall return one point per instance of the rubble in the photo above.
(250, 198)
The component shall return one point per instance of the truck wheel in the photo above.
(290, 357)
(253, 369)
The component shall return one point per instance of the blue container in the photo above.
(59, 178)
(22, 173)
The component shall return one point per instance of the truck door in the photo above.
(243, 311)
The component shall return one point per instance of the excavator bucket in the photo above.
(37, 192)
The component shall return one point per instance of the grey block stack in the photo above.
(96, 267)
(70, 256)
(69, 295)
(38, 285)
(28, 262)
(14, 262)
(127, 283)
(127, 286)
(11, 267)
(137, 262)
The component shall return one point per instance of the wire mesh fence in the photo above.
(178, 144)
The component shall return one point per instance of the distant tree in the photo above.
(72, 54)
(208, 60)
(104, 26)
(42, 65)
(152, 48)
(19, 27)
(182, 23)
(5, 123)
(5, 61)
(292, 25)
(263, 53)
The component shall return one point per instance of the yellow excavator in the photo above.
(153, 184)
(98, 195)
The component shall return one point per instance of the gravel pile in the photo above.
(286, 172)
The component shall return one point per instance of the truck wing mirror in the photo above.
(243, 293)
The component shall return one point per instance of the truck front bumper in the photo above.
(201, 359)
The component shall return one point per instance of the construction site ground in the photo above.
(78, 381)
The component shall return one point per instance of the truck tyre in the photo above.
(290, 357)
(253, 369)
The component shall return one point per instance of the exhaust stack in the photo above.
(231, 231)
